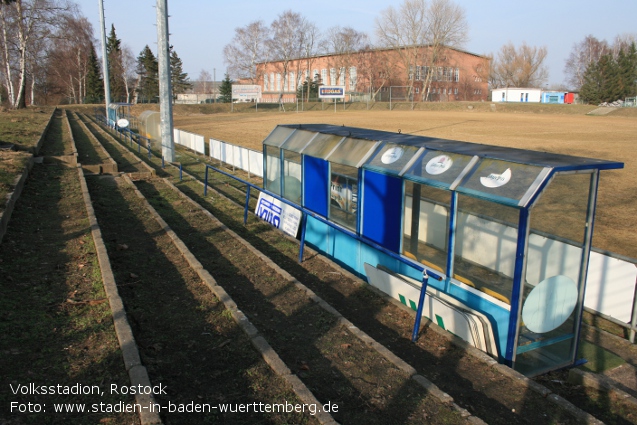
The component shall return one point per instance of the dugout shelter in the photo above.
(505, 233)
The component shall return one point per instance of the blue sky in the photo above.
(200, 29)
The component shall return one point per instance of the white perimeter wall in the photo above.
(190, 140)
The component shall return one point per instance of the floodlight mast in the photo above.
(165, 89)
(107, 87)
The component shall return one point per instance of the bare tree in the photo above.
(375, 70)
(286, 43)
(582, 55)
(344, 44)
(311, 45)
(23, 23)
(68, 57)
(420, 32)
(519, 67)
(246, 49)
(129, 72)
(203, 85)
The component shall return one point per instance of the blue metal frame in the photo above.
(518, 275)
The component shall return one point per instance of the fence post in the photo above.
(302, 244)
(245, 212)
(205, 185)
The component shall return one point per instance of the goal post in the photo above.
(399, 94)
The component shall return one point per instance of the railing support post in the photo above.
(302, 243)
(421, 304)
(245, 212)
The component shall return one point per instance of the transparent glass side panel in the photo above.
(551, 289)
(273, 169)
(442, 168)
(344, 195)
(485, 246)
(426, 225)
(292, 176)
(351, 151)
(322, 145)
(278, 136)
(392, 158)
(297, 141)
(501, 179)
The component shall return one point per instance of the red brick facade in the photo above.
(381, 73)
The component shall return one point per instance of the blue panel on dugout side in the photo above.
(316, 184)
(382, 211)
(316, 234)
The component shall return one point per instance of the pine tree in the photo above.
(115, 68)
(178, 78)
(148, 71)
(225, 90)
(94, 81)
(599, 79)
(627, 71)
(309, 89)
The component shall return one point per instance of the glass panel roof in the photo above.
(439, 168)
(322, 145)
(504, 175)
(297, 141)
(503, 181)
(278, 136)
(352, 152)
(392, 158)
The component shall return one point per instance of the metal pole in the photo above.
(421, 305)
(165, 89)
(107, 87)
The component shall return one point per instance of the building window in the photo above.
(332, 76)
(341, 77)
(352, 78)
(344, 195)
(278, 82)
(456, 75)
(266, 83)
(324, 76)
(272, 81)
(291, 82)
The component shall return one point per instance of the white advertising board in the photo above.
(331, 92)
(280, 215)
(246, 91)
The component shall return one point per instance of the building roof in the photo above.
(375, 49)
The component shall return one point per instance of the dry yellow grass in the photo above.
(611, 137)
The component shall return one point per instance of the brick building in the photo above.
(381, 74)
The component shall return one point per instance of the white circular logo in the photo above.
(496, 180)
(122, 123)
(549, 304)
(439, 164)
(392, 155)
